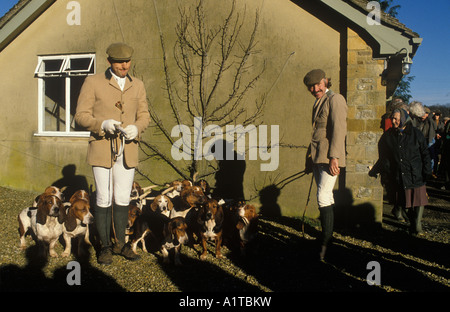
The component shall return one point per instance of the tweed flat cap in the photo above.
(120, 52)
(313, 77)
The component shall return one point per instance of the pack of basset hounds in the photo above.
(183, 213)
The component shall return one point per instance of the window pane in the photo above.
(79, 65)
(54, 104)
(49, 67)
(53, 65)
(75, 87)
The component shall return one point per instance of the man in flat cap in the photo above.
(113, 107)
(327, 148)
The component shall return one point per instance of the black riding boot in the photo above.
(327, 223)
(103, 224)
(120, 217)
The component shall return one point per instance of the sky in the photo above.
(431, 64)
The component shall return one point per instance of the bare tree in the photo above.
(217, 68)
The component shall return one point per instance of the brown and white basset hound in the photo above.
(175, 236)
(162, 204)
(80, 194)
(190, 197)
(78, 219)
(136, 190)
(138, 222)
(134, 211)
(45, 221)
(138, 228)
(205, 187)
(241, 225)
(175, 188)
(50, 190)
(247, 225)
(210, 219)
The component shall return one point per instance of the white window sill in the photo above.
(80, 134)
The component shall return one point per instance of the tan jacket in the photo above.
(97, 102)
(329, 129)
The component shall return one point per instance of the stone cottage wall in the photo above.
(366, 99)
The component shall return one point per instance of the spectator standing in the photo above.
(404, 158)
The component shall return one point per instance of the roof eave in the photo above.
(390, 39)
(21, 20)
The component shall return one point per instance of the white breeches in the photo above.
(115, 182)
(325, 184)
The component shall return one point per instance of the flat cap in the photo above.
(313, 77)
(120, 52)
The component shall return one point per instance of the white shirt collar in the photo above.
(120, 81)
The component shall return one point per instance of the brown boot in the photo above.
(128, 253)
(105, 256)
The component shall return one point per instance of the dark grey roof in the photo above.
(385, 18)
(12, 12)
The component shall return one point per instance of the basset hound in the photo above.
(241, 225)
(45, 221)
(210, 218)
(162, 204)
(50, 190)
(134, 211)
(175, 188)
(80, 194)
(174, 235)
(247, 225)
(205, 187)
(138, 228)
(139, 222)
(78, 218)
(136, 190)
(190, 197)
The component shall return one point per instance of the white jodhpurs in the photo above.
(325, 184)
(115, 182)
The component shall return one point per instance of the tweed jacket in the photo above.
(329, 118)
(99, 100)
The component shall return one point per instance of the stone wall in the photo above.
(366, 99)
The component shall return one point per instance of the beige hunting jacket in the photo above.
(99, 100)
(329, 120)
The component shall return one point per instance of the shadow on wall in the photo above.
(353, 217)
(268, 197)
(347, 216)
(230, 175)
(71, 181)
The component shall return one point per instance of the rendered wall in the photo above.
(290, 40)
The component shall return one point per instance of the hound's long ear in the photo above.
(62, 213)
(218, 218)
(42, 213)
(167, 230)
(154, 206)
(71, 221)
(170, 204)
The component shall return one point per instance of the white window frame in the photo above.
(64, 72)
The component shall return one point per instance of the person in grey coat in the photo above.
(327, 148)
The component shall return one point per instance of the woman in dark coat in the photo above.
(405, 161)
